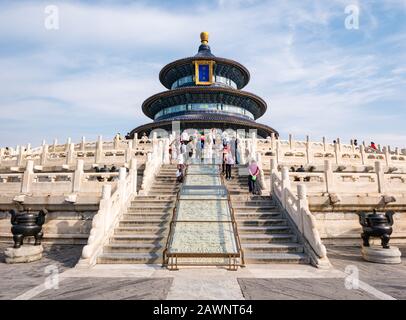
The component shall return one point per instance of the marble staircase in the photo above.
(141, 234)
(265, 233)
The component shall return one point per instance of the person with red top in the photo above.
(373, 146)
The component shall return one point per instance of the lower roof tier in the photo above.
(205, 121)
(205, 94)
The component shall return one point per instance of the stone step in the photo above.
(264, 229)
(254, 203)
(255, 209)
(249, 198)
(133, 248)
(267, 238)
(257, 215)
(153, 198)
(146, 210)
(272, 247)
(276, 258)
(148, 202)
(152, 230)
(152, 205)
(138, 238)
(262, 222)
(129, 258)
(162, 192)
(163, 187)
(143, 222)
(159, 215)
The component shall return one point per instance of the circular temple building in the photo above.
(204, 92)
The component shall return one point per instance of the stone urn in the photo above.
(376, 225)
(27, 224)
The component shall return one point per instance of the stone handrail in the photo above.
(64, 183)
(155, 159)
(297, 208)
(111, 152)
(369, 179)
(112, 206)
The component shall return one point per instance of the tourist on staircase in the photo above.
(229, 163)
(254, 172)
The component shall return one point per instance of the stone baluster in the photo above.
(329, 176)
(337, 152)
(99, 150)
(285, 184)
(70, 154)
(78, 176)
(167, 158)
(302, 204)
(273, 142)
(324, 144)
(68, 143)
(20, 156)
(122, 175)
(362, 153)
(397, 152)
(116, 142)
(83, 144)
(387, 155)
(279, 156)
(309, 155)
(274, 169)
(2, 151)
(133, 172)
(380, 173)
(105, 205)
(129, 151)
(135, 139)
(28, 177)
(44, 154)
(54, 145)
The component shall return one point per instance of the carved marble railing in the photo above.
(55, 183)
(377, 179)
(112, 206)
(297, 208)
(155, 159)
(116, 152)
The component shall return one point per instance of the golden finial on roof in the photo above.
(204, 37)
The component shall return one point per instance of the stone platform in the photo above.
(376, 281)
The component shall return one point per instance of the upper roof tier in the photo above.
(223, 68)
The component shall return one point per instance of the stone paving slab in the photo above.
(203, 237)
(207, 210)
(300, 289)
(388, 278)
(16, 279)
(109, 289)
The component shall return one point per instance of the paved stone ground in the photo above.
(301, 288)
(26, 281)
(109, 289)
(16, 279)
(390, 279)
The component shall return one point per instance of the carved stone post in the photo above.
(28, 177)
(70, 154)
(99, 150)
(274, 169)
(78, 176)
(83, 144)
(362, 153)
(133, 173)
(309, 155)
(129, 151)
(20, 156)
(380, 177)
(285, 184)
(302, 204)
(44, 155)
(329, 176)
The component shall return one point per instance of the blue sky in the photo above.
(91, 76)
